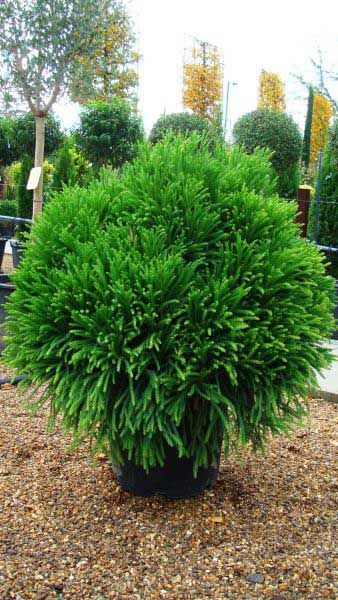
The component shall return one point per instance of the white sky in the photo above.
(254, 35)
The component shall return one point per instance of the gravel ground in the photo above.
(67, 530)
(7, 263)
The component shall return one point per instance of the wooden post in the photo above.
(40, 124)
(303, 201)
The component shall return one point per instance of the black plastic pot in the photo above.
(335, 312)
(174, 480)
(2, 250)
(18, 249)
(6, 288)
(6, 230)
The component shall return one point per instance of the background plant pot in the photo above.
(6, 230)
(6, 288)
(17, 251)
(174, 480)
(2, 250)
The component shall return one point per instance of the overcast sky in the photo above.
(253, 35)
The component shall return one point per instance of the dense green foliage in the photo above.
(307, 131)
(328, 207)
(24, 197)
(6, 141)
(8, 208)
(182, 122)
(65, 172)
(24, 135)
(277, 131)
(176, 305)
(108, 132)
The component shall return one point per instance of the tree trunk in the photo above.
(40, 124)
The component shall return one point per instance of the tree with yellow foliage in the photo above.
(321, 116)
(112, 70)
(271, 91)
(203, 80)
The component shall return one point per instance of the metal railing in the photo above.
(8, 219)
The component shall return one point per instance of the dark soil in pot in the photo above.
(6, 288)
(174, 480)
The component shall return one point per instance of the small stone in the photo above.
(255, 578)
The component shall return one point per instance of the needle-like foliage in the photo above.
(174, 306)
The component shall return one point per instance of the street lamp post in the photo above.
(227, 104)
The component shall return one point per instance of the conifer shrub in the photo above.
(175, 306)
(65, 173)
(328, 206)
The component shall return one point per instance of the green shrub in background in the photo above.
(15, 178)
(24, 197)
(277, 131)
(6, 141)
(8, 208)
(109, 132)
(183, 122)
(24, 135)
(12, 175)
(328, 208)
(65, 173)
(83, 171)
(172, 307)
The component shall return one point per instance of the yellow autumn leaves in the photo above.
(271, 95)
(203, 80)
(271, 91)
(321, 115)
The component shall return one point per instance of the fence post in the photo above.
(303, 202)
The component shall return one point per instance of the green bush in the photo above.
(174, 306)
(6, 141)
(184, 123)
(8, 208)
(108, 132)
(65, 173)
(328, 208)
(24, 135)
(277, 131)
(24, 197)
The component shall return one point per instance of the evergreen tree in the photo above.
(65, 172)
(328, 207)
(307, 130)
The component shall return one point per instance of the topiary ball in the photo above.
(277, 131)
(178, 123)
